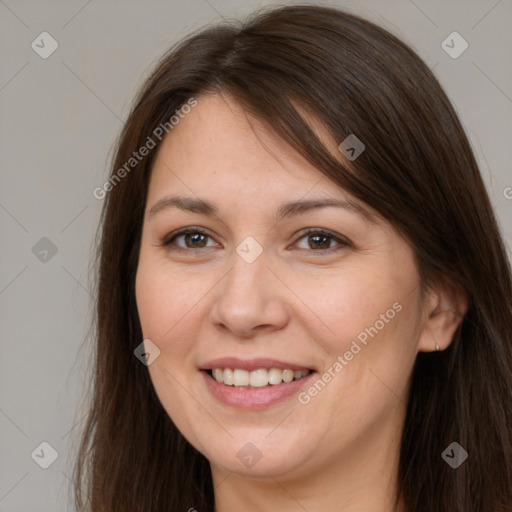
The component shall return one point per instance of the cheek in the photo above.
(164, 298)
(172, 308)
(368, 316)
(167, 305)
(346, 302)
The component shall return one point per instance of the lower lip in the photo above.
(253, 398)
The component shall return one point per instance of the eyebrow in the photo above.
(204, 207)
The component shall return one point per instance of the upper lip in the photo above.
(251, 364)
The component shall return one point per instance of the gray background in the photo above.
(59, 119)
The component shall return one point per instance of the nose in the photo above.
(250, 299)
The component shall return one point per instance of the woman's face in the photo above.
(251, 290)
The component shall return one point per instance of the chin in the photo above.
(257, 456)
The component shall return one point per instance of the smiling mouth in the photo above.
(260, 378)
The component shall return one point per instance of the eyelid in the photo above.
(184, 231)
(341, 241)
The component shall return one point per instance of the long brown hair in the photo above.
(418, 170)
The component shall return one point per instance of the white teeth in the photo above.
(227, 377)
(257, 378)
(287, 375)
(275, 376)
(240, 377)
(218, 375)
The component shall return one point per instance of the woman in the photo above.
(304, 302)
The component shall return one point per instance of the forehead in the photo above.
(218, 147)
(218, 144)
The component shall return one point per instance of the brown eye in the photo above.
(195, 240)
(189, 239)
(321, 240)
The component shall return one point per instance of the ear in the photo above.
(444, 309)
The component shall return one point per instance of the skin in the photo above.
(294, 303)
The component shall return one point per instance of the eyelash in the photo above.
(318, 231)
